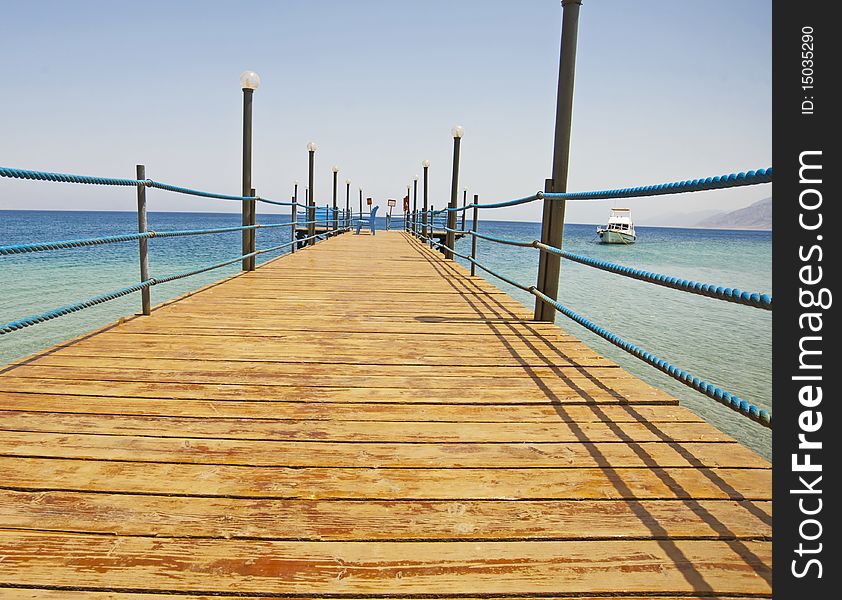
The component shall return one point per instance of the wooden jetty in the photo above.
(363, 419)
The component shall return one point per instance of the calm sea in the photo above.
(726, 344)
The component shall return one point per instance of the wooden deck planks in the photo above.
(300, 431)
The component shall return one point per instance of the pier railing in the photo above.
(319, 223)
(432, 225)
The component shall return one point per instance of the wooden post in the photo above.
(552, 224)
(473, 237)
(143, 244)
(293, 224)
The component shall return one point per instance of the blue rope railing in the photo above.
(677, 187)
(12, 173)
(735, 295)
(119, 293)
(732, 401)
(128, 237)
(72, 308)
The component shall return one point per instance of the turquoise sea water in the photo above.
(726, 344)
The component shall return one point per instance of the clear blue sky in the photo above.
(665, 90)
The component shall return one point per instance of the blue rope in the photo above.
(72, 308)
(192, 192)
(65, 177)
(65, 244)
(735, 295)
(732, 401)
(676, 187)
(69, 178)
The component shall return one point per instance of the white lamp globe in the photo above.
(425, 163)
(457, 131)
(415, 178)
(335, 169)
(347, 182)
(249, 80)
(311, 146)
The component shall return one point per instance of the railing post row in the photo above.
(143, 243)
(473, 237)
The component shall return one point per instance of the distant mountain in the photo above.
(754, 216)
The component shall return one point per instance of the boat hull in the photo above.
(615, 237)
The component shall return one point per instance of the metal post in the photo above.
(311, 203)
(361, 203)
(415, 205)
(432, 224)
(450, 236)
(473, 237)
(143, 243)
(552, 227)
(293, 219)
(335, 215)
(347, 203)
(426, 165)
(248, 96)
(252, 232)
(464, 212)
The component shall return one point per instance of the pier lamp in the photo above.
(249, 81)
(361, 203)
(335, 170)
(450, 239)
(426, 164)
(348, 202)
(311, 203)
(295, 191)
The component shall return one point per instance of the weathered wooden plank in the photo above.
(579, 391)
(47, 594)
(583, 414)
(227, 518)
(361, 431)
(372, 454)
(384, 483)
(256, 566)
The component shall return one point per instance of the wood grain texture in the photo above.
(294, 431)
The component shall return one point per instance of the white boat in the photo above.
(620, 228)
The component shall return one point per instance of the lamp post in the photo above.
(426, 164)
(335, 217)
(450, 238)
(249, 81)
(464, 204)
(311, 203)
(361, 203)
(347, 203)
